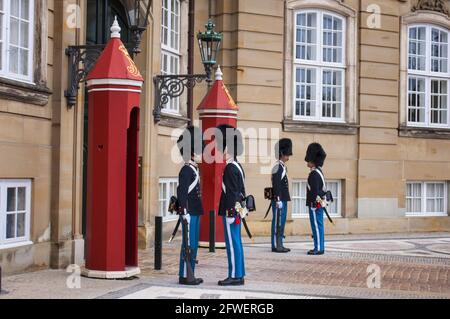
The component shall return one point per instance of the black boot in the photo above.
(281, 250)
(232, 282)
(194, 282)
(315, 252)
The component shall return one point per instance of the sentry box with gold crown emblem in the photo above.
(218, 107)
(114, 87)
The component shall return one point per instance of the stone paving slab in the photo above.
(411, 270)
(167, 287)
(414, 267)
(163, 292)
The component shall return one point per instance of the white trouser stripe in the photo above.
(317, 229)
(230, 243)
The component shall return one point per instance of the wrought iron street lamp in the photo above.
(138, 12)
(209, 43)
(83, 57)
(173, 86)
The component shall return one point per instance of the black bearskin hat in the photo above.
(230, 138)
(315, 154)
(191, 140)
(284, 147)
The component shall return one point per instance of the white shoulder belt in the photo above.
(195, 182)
(240, 170)
(323, 179)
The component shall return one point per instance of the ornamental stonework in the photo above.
(431, 5)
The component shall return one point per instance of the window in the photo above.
(16, 39)
(426, 199)
(319, 66)
(299, 208)
(428, 76)
(170, 64)
(170, 46)
(15, 208)
(167, 189)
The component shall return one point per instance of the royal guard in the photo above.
(189, 204)
(316, 191)
(229, 143)
(280, 196)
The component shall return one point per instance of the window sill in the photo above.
(15, 245)
(290, 125)
(424, 132)
(24, 92)
(170, 219)
(172, 120)
(306, 216)
(414, 215)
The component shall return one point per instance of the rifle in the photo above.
(187, 251)
(278, 231)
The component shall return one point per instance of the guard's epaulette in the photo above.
(275, 168)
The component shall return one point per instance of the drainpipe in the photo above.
(190, 68)
(210, 9)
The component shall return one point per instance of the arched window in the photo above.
(428, 76)
(424, 74)
(319, 66)
(320, 70)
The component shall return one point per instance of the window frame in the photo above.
(170, 24)
(337, 197)
(16, 241)
(424, 198)
(4, 68)
(173, 106)
(320, 66)
(427, 75)
(167, 217)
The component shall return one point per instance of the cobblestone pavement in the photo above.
(411, 266)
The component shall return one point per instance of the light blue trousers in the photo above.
(316, 219)
(194, 235)
(235, 251)
(274, 222)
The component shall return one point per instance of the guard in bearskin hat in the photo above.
(281, 197)
(229, 143)
(315, 158)
(189, 204)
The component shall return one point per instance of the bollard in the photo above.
(212, 231)
(0, 280)
(158, 242)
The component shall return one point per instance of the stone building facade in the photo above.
(368, 79)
